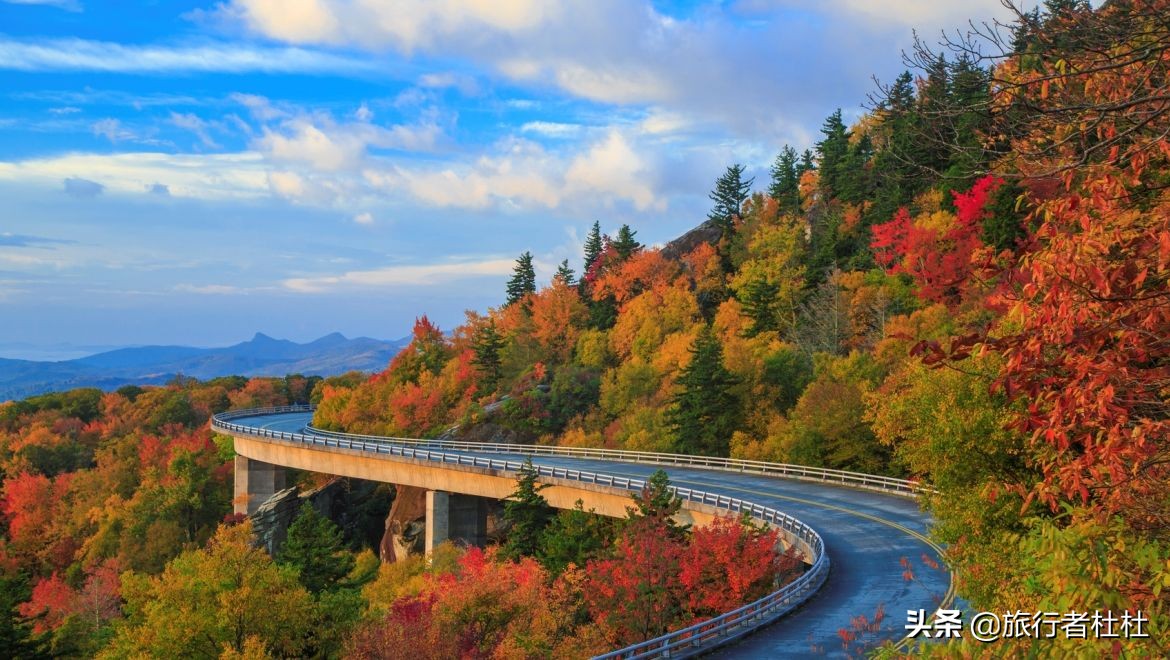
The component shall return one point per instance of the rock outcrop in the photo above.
(405, 525)
(344, 501)
(708, 232)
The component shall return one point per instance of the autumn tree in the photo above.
(637, 595)
(770, 282)
(227, 597)
(705, 410)
(427, 351)
(727, 563)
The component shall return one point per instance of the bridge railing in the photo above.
(843, 477)
(685, 642)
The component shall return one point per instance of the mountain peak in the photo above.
(261, 337)
(331, 338)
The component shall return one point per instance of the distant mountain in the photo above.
(147, 365)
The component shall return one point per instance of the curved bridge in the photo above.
(868, 529)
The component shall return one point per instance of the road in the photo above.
(870, 538)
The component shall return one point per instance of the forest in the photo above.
(969, 286)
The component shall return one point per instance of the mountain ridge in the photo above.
(262, 355)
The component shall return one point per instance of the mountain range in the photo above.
(142, 365)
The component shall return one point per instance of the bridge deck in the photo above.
(867, 535)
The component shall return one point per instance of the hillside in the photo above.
(152, 365)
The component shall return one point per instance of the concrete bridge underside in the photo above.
(455, 509)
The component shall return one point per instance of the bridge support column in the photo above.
(256, 481)
(455, 517)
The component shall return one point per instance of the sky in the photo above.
(193, 172)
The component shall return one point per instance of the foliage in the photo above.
(526, 514)
(523, 280)
(705, 411)
(731, 191)
(314, 549)
(214, 600)
(655, 506)
(573, 538)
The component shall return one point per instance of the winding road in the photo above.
(876, 542)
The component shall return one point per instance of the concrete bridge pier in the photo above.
(256, 481)
(455, 517)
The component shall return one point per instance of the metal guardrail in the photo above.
(825, 475)
(685, 642)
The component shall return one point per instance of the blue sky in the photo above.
(193, 172)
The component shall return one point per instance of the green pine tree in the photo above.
(625, 245)
(314, 547)
(487, 345)
(574, 537)
(593, 248)
(523, 280)
(527, 513)
(832, 150)
(656, 505)
(17, 639)
(705, 411)
(785, 186)
(731, 191)
(807, 164)
(761, 304)
(565, 274)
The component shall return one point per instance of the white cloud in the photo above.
(210, 289)
(614, 84)
(260, 107)
(287, 184)
(195, 125)
(612, 168)
(289, 20)
(523, 174)
(324, 145)
(551, 129)
(406, 25)
(219, 176)
(84, 55)
(421, 275)
(67, 5)
(364, 218)
(464, 83)
(663, 121)
(363, 113)
(754, 68)
(112, 130)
